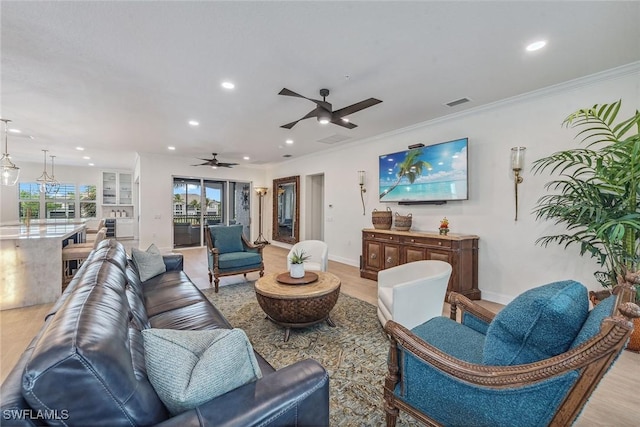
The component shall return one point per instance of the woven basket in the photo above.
(382, 219)
(403, 222)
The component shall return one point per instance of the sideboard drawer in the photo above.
(383, 237)
(427, 241)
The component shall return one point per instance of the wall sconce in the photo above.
(361, 179)
(517, 161)
(261, 192)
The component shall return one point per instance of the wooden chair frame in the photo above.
(592, 359)
(216, 274)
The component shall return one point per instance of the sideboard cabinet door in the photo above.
(386, 248)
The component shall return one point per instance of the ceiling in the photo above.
(123, 77)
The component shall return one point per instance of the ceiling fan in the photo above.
(324, 113)
(215, 163)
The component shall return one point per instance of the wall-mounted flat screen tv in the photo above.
(430, 174)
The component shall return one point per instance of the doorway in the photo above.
(199, 203)
(314, 207)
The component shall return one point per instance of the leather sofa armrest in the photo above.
(173, 262)
(297, 395)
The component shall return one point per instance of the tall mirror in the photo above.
(286, 209)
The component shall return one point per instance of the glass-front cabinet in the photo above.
(125, 191)
(117, 188)
(109, 188)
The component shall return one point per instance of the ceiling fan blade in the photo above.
(201, 164)
(290, 125)
(227, 165)
(312, 113)
(287, 92)
(338, 121)
(355, 107)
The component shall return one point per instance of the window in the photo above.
(59, 205)
(29, 200)
(87, 201)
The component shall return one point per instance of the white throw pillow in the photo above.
(189, 368)
(149, 262)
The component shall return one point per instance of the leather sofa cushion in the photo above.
(239, 260)
(111, 251)
(169, 291)
(538, 324)
(198, 316)
(90, 344)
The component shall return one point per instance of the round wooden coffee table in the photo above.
(298, 306)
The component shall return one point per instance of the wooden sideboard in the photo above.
(387, 248)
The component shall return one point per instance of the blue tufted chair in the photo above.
(535, 363)
(230, 253)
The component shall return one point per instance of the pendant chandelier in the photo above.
(9, 171)
(48, 184)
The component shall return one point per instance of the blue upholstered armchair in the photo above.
(535, 363)
(230, 253)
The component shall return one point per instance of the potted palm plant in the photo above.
(297, 260)
(595, 192)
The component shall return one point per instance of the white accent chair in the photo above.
(412, 293)
(318, 253)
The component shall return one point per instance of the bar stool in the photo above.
(92, 231)
(73, 256)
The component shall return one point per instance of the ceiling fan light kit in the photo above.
(324, 111)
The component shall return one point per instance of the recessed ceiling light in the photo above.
(80, 148)
(228, 85)
(194, 122)
(289, 141)
(15, 131)
(536, 45)
(214, 167)
(171, 148)
(86, 157)
(247, 158)
(91, 164)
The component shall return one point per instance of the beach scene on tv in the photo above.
(432, 173)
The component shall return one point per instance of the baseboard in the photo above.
(347, 261)
(496, 297)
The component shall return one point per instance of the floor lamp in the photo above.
(261, 192)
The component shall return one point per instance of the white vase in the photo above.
(297, 271)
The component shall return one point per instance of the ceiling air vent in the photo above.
(457, 102)
(334, 139)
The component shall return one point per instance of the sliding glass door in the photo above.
(198, 203)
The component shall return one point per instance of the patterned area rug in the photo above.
(354, 352)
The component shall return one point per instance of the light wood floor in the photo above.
(615, 403)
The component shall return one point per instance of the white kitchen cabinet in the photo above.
(124, 228)
(117, 188)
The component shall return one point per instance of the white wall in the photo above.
(156, 194)
(509, 260)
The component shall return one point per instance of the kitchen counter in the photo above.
(31, 261)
